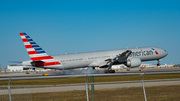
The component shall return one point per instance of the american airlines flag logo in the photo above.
(154, 50)
(36, 53)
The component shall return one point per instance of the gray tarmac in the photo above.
(76, 73)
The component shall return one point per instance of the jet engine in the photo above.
(133, 62)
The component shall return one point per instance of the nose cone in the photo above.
(164, 53)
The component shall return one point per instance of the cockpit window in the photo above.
(165, 50)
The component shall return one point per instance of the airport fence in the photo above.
(49, 92)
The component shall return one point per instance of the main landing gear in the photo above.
(109, 71)
(128, 69)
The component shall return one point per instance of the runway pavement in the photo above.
(33, 75)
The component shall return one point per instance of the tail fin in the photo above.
(39, 57)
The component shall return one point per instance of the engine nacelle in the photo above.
(133, 62)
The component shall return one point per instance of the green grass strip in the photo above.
(157, 93)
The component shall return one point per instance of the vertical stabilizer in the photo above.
(39, 57)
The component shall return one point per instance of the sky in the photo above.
(75, 26)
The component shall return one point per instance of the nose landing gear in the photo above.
(158, 64)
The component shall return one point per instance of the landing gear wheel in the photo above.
(109, 71)
(112, 71)
(158, 64)
(106, 71)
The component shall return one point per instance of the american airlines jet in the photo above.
(102, 59)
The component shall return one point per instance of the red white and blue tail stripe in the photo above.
(39, 57)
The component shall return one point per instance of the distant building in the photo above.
(17, 68)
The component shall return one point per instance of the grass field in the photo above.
(83, 79)
(159, 93)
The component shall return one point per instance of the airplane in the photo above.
(102, 59)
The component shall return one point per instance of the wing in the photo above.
(118, 59)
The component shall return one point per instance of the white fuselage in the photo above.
(93, 59)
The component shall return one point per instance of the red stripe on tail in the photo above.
(32, 52)
(41, 58)
(25, 40)
(28, 46)
(51, 63)
(42, 64)
(21, 34)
